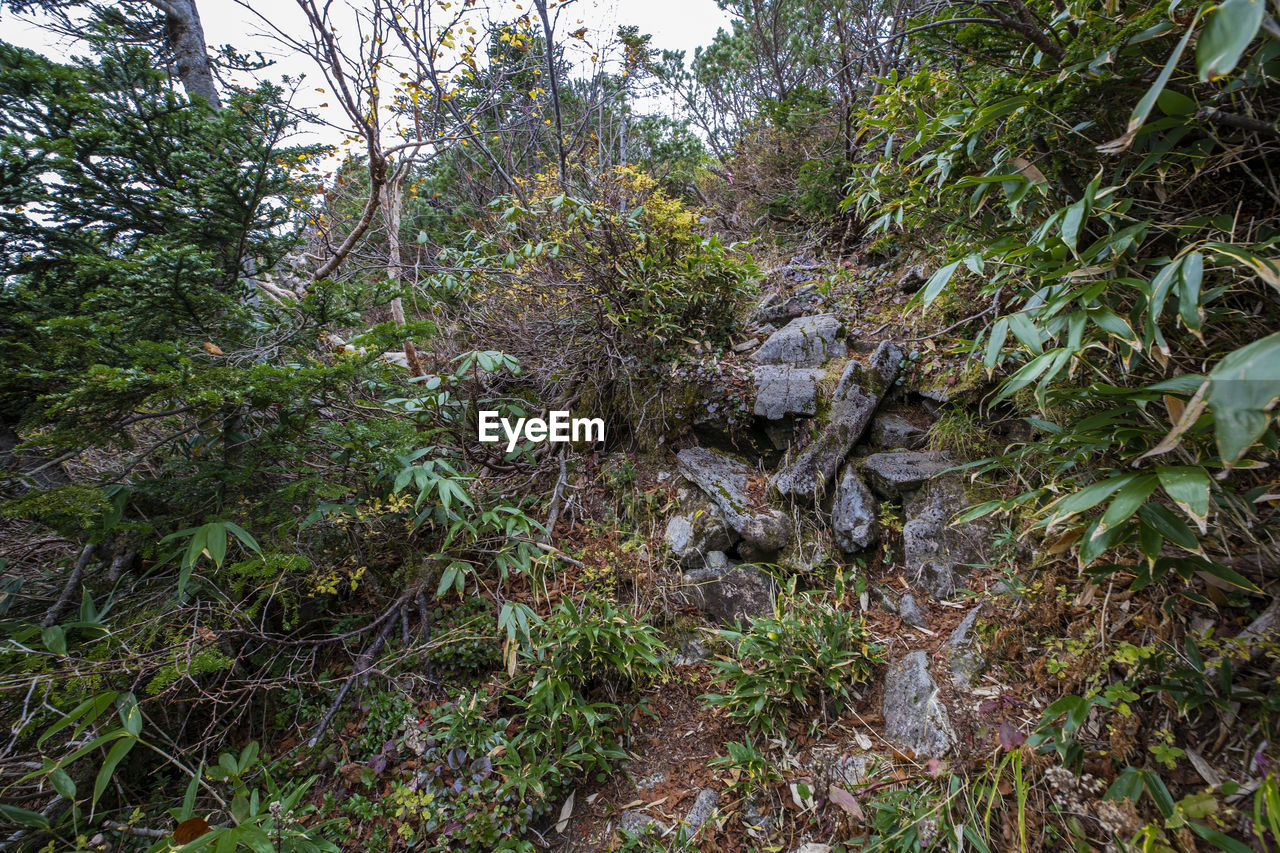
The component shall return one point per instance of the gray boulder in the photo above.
(805, 475)
(910, 611)
(729, 591)
(962, 648)
(812, 550)
(853, 513)
(639, 823)
(914, 717)
(894, 474)
(885, 362)
(894, 432)
(936, 552)
(725, 480)
(782, 390)
(704, 806)
(698, 528)
(804, 342)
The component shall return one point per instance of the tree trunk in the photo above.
(392, 204)
(186, 41)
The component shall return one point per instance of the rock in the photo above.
(811, 551)
(653, 780)
(853, 513)
(937, 553)
(782, 390)
(894, 432)
(804, 342)
(914, 718)
(746, 346)
(729, 591)
(812, 847)
(704, 806)
(698, 529)
(805, 476)
(910, 611)
(724, 480)
(755, 819)
(639, 823)
(913, 279)
(894, 474)
(833, 766)
(799, 304)
(885, 362)
(965, 657)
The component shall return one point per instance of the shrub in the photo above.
(812, 654)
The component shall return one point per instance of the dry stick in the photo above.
(363, 664)
(555, 502)
(63, 603)
(140, 831)
(424, 614)
(995, 305)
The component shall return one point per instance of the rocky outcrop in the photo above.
(726, 481)
(806, 475)
(804, 342)
(782, 390)
(910, 612)
(937, 554)
(729, 591)
(963, 653)
(895, 474)
(853, 513)
(894, 432)
(698, 528)
(914, 717)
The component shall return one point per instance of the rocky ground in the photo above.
(836, 472)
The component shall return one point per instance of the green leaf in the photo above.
(1126, 502)
(54, 639)
(1243, 388)
(62, 783)
(1072, 220)
(1188, 487)
(1191, 274)
(24, 817)
(216, 542)
(1228, 31)
(114, 756)
(937, 282)
(1143, 108)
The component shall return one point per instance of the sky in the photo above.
(674, 25)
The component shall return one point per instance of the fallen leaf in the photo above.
(190, 829)
(212, 348)
(846, 801)
(566, 811)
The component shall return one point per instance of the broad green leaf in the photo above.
(54, 639)
(937, 282)
(1126, 502)
(1243, 388)
(114, 756)
(216, 542)
(1088, 497)
(1190, 276)
(1232, 24)
(1188, 487)
(62, 783)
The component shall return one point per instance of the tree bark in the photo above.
(392, 205)
(185, 35)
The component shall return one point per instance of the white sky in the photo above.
(674, 25)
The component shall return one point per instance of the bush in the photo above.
(596, 296)
(813, 654)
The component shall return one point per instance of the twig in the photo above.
(140, 831)
(556, 496)
(63, 603)
(994, 306)
(363, 664)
